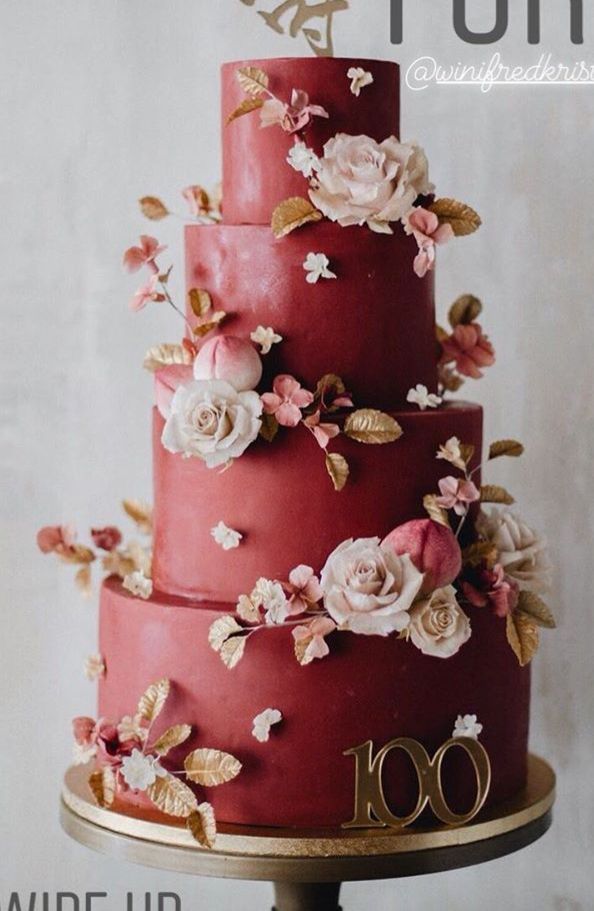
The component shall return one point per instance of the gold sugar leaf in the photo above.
(172, 738)
(523, 636)
(202, 824)
(164, 356)
(300, 650)
(247, 610)
(372, 427)
(535, 608)
(214, 322)
(220, 631)
(440, 334)
(78, 555)
(449, 379)
(232, 651)
(152, 208)
(83, 580)
(269, 428)
(246, 107)
(253, 80)
(467, 452)
(103, 785)
(172, 797)
(435, 511)
(151, 704)
(211, 768)
(462, 218)
(466, 309)
(140, 513)
(293, 213)
(338, 469)
(492, 493)
(200, 302)
(480, 552)
(510, 448)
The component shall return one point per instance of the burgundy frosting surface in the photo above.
(368, 688)
(374, 325)
(279, 496)
(256, 176)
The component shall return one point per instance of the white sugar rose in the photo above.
(438, 625)
(369, 590)
(211, 420)
(360, 181)
(522, 552)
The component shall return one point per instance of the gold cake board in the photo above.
(310, 857)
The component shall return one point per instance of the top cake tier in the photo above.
(256, 176)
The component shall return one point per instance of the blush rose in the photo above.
(432, 547)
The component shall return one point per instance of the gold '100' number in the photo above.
(371, 809)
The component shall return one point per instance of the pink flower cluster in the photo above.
(491, 587)
(145, 255)
(292, 117)
(469, 349)
(56, 539)
(457, 494)
(428, 233)
(287, 400)
(111, 741)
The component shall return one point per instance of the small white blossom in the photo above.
(316, 265)
(138, 584)
(82, 755)
(467, 726)
(226, 537)
(421, 396)
(94, 667)
(303, 159)
(452, 453)
(359, 79)
(271, 596)
(265, 337)
(263, 722)
(140, 771)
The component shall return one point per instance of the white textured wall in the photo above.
(104, 101)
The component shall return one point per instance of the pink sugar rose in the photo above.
(304, 590)
(286, 400)
(143, 255)
(83, 729)
(427, 232)
(231, 359)
(56, 539)
(146, 294)
(433, 549)
(457, 494)
(314, 634)
(292, 117)
(494, 588)
(107, 538)
(470, 350)
(110, 748)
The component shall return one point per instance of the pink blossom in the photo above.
(110, 748)
(457, 494)
(146, 294)
(432, 547)
(314, 634)
(167, 381)
(428, 232)
(56, 539)
(322, 432)
(83, 729)
(292, 117)
(286, 400)
(106, 538)
(197, 199)
(304, 590)
(144, 255)
(470, 350)
(492, 587)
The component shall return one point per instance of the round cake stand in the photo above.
(307, 869)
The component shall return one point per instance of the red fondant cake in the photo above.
(325, 570)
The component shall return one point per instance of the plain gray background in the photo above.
(105, 101)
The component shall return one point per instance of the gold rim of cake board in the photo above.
(245, 842)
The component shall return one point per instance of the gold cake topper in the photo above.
(371, 809)
(319, 39)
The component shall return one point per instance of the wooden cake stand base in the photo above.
(308, 869)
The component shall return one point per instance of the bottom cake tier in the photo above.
(368, 688)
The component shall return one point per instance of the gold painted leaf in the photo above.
(332, 383)
(83, 581)
(440, 334)
(467, 453)
(173, 797)
(461, 217)
(78, 555)
(247, 610)
(466, 309)
(220, 631)
(152, 207)
(214, 322)
(141, 513)
(103, 785)
(293, 213)
(202, 824)
(151, 704)
(300, 652)
(269, 428)
(232, 651)
(435, 511)
(246, 107)
(523, 636)
(165, 355)
(373, 427)
(480, 552)
(211, 768)
(449, 379)
(506, 448)
(253, 80)
(338, 469)
(200, 302)
(492, 493)
(173, 737)
(535, 608)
